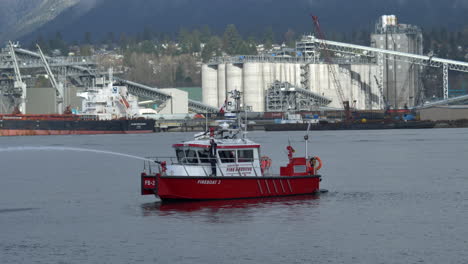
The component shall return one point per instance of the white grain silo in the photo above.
(253, 90)
(284, 71)
(318, 78)
(312, 77)
(363, 86)
(375, 90)
(221, 84)
(357, 82)
(286, 76)
(297, 75)
(327, 85)
(209, 85)
(276, 71)
(267, 74)
(292, 73)
(233, 77)
(279, 71)
(344, 77)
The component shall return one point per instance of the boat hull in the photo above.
(212, 188)
(352, 126)
(74, 127)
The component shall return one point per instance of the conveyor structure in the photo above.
(77, 69)
(283, 96)
(422, 60)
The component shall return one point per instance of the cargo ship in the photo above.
(398, 119)
(350, 126)
(106, 109)
(29, 125)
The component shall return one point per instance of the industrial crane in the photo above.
(19, 85)
(331, 69)
(384, 99)
(404, 87)
(58, 86)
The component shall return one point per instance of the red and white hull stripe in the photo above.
(206, 188)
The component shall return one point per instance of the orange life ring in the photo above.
(319, 163)
(265, 162)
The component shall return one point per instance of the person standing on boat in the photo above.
(213, 147)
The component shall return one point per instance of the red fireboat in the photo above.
(223, 164)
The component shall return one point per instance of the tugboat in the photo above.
(223, 163)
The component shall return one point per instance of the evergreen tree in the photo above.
(188, 81)
(205, 34)
(211, 48)
(185, 42)
(42, 43)
(196, 42)
(268, 38)
(58, 43)
(110, 39)
(251, 46)
(179, 75)
(290, 38)
(147, 33)
(147, 47)
(123, 41)
(231, 40)
(87, 38)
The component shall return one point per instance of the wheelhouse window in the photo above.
(203, 155)
(191, 156)
(245, 155)
(180, 153)
(300, 168)
(227, 156)
(187, 156)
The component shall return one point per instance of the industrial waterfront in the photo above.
(352, 131)
(317, 75)
(394, 196)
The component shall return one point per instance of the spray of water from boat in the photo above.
(54, 148)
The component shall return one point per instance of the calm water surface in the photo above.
(397, 196)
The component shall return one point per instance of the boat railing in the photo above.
(152, 165)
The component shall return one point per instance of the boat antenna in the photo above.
(245, 123)
(306, 138)
(206, 121)
(235, 94)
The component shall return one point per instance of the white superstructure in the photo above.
(106, 101)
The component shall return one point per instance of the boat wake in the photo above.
(50, 148)
(10, 210)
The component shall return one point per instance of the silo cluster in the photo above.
(253, 78)
(356, 80)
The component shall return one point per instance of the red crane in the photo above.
(331, 69)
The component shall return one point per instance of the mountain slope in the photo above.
(21, 17)
(250, 16)
(12, 10)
